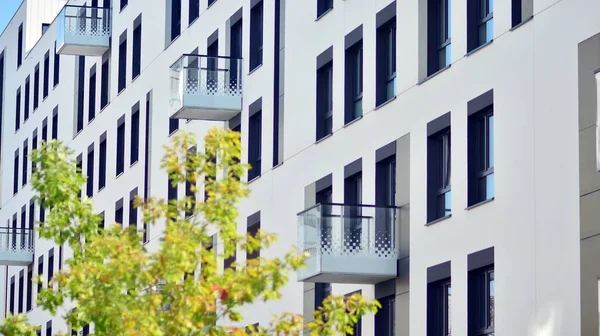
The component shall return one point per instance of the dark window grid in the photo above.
(439, 35)
(255, 144)
(46, 76)
(55, 126)
(133, 213)
(485, 17)
(391, 60)
(441, 173)
(176, 19)
(18, 111)
(325, 100)
(36, 87)
(31, 215)
(50, 268)
(194, 10)
(20, 46)
(29, 288)
(12, 295)
(80, 93)
(122, 65)
(256, 36)
(136, 64)
(60, 257)
(56, 67)
(119, 215)
(40, 272)
(385, 321)
(49, 328)
(16, 173)
(120, 162)
(483, 146)
(34, 146)
(253, 231)
(92, 98)
(104, 84)
(102, 165)
(25, 164)
(323, 6)
(21, 291)
(90, 174)
(355, 59)
(135, 137)
(482, 302)
(439, 308)
(26, 99)
(45, 131)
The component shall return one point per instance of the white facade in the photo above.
(533, 222)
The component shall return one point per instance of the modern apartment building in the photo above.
(440, 156)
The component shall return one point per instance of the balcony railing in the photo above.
(206, 87)
(16, 246)
(349, 243)
(83, 31)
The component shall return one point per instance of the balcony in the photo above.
(83, 31)
(16, 246)
(206, 87)
(349, 243)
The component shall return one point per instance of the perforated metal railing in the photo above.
(209, 75)
(348, 230)
(15, 240)
(86, 21)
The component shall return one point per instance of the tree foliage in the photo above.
(181, 288)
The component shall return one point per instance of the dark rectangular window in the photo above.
(325, 100)
(135, 136)
(352, 225)
(46, 87)
(480, 23)
(171, 190)
(56, 66)
(123, 63)
(147, 157)
(194, 10)
(21, 290)
(190, 192)
(173, 125)
(16, 173)
(353, 82)
(49, 328)
(235, 50)
(438, 31)
(11, 308)
(31, 224)
(323, 6)
(25, 163)
(119, 211)
(386, 62)
(90, 172)
(29, 287)
(45, 27)
(210, 2)
(80, 92)
(385, 180)
(18, 110)
(136, 64)
(133, 211)
(253, 230)
(439, 304)
(23, 225)
(481, 156)
(34, 146)
(50, 265)
(20, 46)
(92, 96)
(175, 19)
(385, 321)
(36, 87)
(439, 192)
(60, 257)
(79, 166)
(256, 35)
(322, 291)
(209, 176)
(123, 4)
(55, 124)
(254, 145)
(481, 302)
(104, 84)
(102, 163)
(26, 99)
(40, 272)
(45, 130)
(120, 168)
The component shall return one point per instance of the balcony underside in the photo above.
(81, 49)
(15, 259)
(209, 108)
(351, 269)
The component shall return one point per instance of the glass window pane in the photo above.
(482, 34)
(448, 203)
(490, 140)
(490, 187)
(492, 286)
(358, 108)
(489, 30)
(449, 309)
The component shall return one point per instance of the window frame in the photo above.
(483, 21)
(325, 100)
(481, 153)
(439, 171)
(354, 81)
(474, 299)
(439, 308)
(386, 64)
(323, 7)
(256, 35)
(255, 145)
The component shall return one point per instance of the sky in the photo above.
(7, 10)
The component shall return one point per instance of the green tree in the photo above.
(179, 289)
